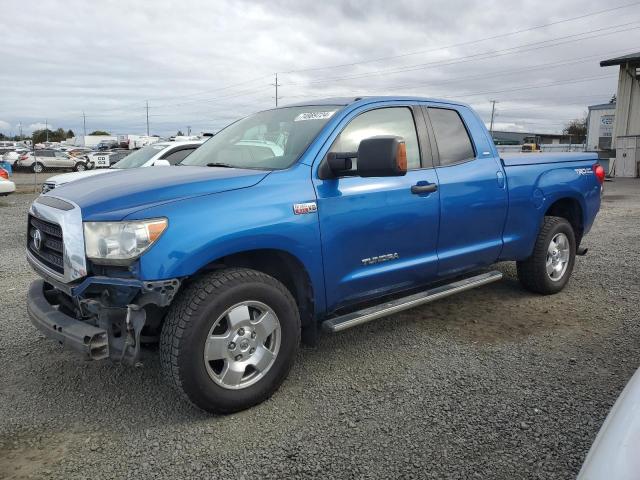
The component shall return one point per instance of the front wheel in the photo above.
(230, 339)
(549, 267)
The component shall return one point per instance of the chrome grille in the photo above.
(51, 244)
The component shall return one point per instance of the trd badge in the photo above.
(304, 208)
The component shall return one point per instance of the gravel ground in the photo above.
(493, 383)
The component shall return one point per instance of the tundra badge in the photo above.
(379, 259)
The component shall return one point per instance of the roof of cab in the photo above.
(344, 101)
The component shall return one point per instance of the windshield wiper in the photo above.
(224, 165)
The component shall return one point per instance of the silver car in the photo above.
(50, 159)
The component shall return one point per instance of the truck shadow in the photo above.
(84, 393)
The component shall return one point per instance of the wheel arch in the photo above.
(570, 209)
(287, 269)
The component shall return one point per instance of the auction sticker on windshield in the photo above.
(313, 116)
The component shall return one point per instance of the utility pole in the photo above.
(493, 112)
(276, 85)
(189, 130)
(46, 128)
(20, 127)
(84, 124)
(147, 118)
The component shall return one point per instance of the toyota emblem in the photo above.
(37, 239)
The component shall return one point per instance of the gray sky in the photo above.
(204, 63)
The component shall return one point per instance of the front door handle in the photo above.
(424, 188)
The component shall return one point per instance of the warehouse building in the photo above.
(626, 126)
(600, 131)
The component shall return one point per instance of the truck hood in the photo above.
(70, 177)
(114, 196)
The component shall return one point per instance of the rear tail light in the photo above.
(23, 157)
(4, 174)
(599, 172)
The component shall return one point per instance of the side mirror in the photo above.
(383, 156)
(161, 163)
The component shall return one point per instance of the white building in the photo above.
(600, 122)
(626, 128)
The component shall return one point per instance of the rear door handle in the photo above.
(424, 188)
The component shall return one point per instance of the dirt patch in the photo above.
(611, 198)
(27, 456)
(503, 312)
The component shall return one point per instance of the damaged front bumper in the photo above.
(101, 317)
(79, 336)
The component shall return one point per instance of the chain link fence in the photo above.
(31, 171)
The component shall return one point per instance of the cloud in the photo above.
(4, 126)
(38, 126)
(202, 66)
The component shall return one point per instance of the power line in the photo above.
(470, 42)
(227, 87)
(457, 79)
(486, 55)
(529, 87)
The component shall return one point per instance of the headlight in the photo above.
(121, 242)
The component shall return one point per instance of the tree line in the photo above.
(42, 135)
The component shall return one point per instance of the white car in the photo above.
(6, 185)
(156, 154)
(614, 453)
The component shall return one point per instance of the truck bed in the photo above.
(533, 158)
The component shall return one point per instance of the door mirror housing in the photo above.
(381, 156)
(161, 163)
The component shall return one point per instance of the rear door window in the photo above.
(452, 138)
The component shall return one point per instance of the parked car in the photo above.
(241, 251)
(157, 154)
(6, 185)
(107, 145)
(11, 146)
(11, 158)
(50, 159)
(105, 159)
(614, 453)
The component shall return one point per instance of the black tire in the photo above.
(37, 167)
(532, 272)
(192, 315)
(80, 167)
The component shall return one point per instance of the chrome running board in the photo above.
(353, 319)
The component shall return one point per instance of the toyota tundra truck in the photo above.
(312, 217)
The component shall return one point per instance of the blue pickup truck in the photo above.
(318, 216)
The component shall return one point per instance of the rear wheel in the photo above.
(37, 167)
(549, 267)
(80, 167)
(229, 340)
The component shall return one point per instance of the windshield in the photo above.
(139, 157)
(268, 140)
